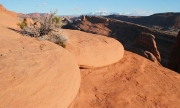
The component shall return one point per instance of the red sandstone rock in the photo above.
(147, 41)
(92, 50)
(34, 74)
(133, 82)
(29, 21)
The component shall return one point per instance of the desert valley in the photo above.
(110, 61)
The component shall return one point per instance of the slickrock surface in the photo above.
(93, 50)
(133, 82)
(34, 74)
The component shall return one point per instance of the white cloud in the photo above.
(76, 8)
(44, 3)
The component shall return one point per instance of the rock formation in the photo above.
(34, 74)
(65, 20)
(174, 61)
(93, 50)
(29, 21)
(126, 33)
(148, 42)
(41, 74)
(83, 18)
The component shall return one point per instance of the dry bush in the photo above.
(57, 38)
(48, 29)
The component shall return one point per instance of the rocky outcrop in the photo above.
(127, 34)
(65, 20)
(151, 57)
(93, 50)
(147, 41)
(174, 60)
(29, 21)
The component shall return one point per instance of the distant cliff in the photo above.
(162, 19)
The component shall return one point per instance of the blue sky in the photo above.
(78, 7)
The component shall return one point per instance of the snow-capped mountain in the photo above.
(101, 13)
(106, 13)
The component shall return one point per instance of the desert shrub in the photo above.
(57, 38)
(22, 24)
(48, 29)
(57, 21)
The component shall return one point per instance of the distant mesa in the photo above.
(165, 21)
(35, 15)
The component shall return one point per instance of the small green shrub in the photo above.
(57, 21)
(22, 24)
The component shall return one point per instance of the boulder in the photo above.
(29, 21)
(93, 50)
(147, 41)
(151, 57)
(174, 60)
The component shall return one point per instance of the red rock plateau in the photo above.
(41, 74)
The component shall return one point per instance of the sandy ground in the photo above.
(133, 82)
